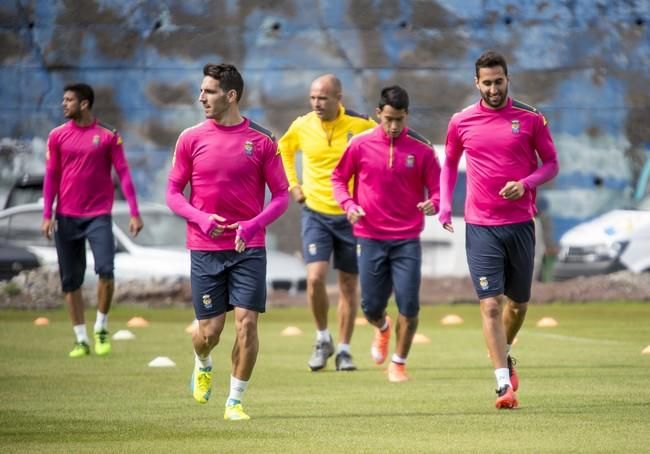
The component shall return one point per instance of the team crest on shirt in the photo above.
(410, 161)
(515, 126)
(207, 302)
(483, 282)
(96, 140)
(312, 248)
(248, 148)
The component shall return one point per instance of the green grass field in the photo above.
(585, 387)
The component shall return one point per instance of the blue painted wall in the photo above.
(585, 64)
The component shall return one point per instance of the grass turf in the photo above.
(585, 387)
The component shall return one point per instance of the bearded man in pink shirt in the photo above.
(228, 161)
(396, 183)
(503, 139)
(80, 154)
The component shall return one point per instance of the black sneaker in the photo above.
(344, 362)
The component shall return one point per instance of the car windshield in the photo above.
(160, 229)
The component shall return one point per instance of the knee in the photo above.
(519, 309)
(246, 331)
(210, 336)
(315, 280)
(490, 308)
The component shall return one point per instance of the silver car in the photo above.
(158, 251)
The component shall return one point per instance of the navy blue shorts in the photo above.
(324, 234)
(501, 259)
(387, 265)
(223, 280)
(70, 238)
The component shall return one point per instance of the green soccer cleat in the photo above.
(235, 413)
(102, 344)
(80, 349)
(201, 384)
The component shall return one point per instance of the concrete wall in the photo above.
(585, 64)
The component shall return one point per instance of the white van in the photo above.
(616, 240)
(443, 253)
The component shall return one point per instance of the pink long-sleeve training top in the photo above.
(228, 169)
(391, 176)
(78, 171)
(500, 145)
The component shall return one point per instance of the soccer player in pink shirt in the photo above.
(503, 140)
(80, 154)
(396, 182)
(228, 161)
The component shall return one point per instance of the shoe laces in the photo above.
(204, 379)
(102, 335)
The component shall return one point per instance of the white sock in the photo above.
(80, 332)
(508, 348)
(385, 325)
(503, 377)
(202, 362)
(344, 348)
(398, 359)
(323, 336)
(101, 323)
(237, 389)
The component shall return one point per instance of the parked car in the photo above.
(443, 253)
(158, 251)
(28, 188)
(614, 241)
(14, 259)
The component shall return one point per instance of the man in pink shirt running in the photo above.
(80, 154)
(503, 139)
(228, 161)
(396, 182)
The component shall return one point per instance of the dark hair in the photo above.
(394, 96)
(84, 92)
(490, 59)
(228, 77)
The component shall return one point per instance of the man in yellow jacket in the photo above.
(322, 135)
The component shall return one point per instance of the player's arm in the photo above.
(449, 174)
(288, 146)
(276, 180)
(431, 170)
(121, 166)
(547, 153)
(179, 175)
(343, 172)
(51, 184)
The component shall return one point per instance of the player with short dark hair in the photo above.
(322, 135)
(228, 160)
(80, 154)
(396, 182)
(502, 139)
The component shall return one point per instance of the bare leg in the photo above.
(74, 300)
(206, 336)
(405, 330)
(105, 289)
(246, 347)
(317, 294)
(493, 330)
(348, 305)
(514, 315)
